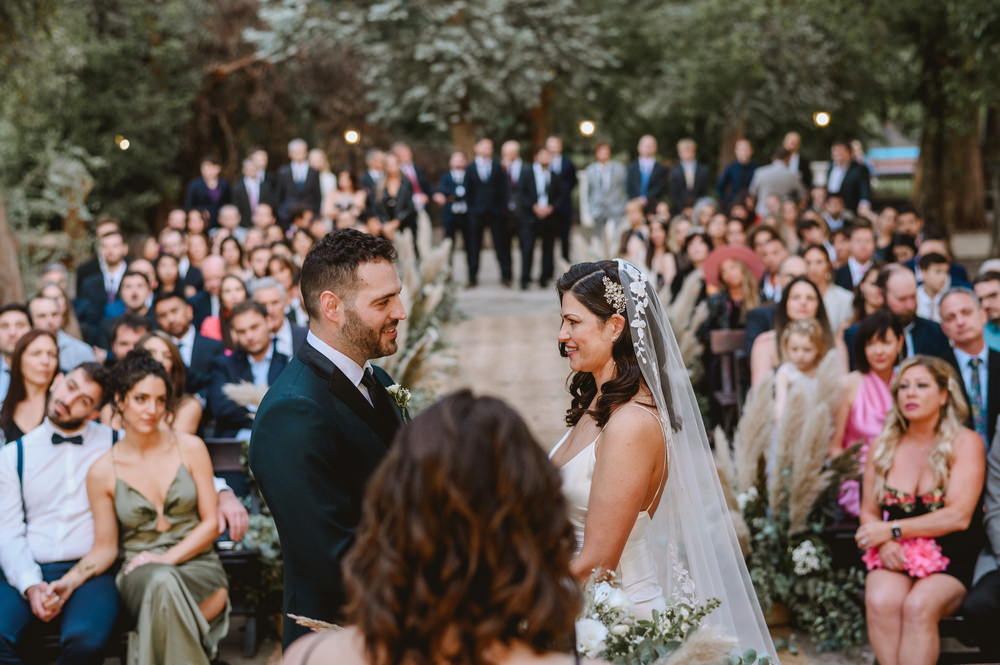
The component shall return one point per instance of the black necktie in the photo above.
(59, 438)
(371, 383)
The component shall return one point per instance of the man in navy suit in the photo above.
(899, 285)
(288, 337)
(98, 296)
(210, 191)
(848, 178)
(487, 185)
(452, 196)
(564, 169)
(688, 181)
(646, 178)
(175, 317)
(539, 194)
(861, 238)
(298, 183)
(254, 361)
(734, 183)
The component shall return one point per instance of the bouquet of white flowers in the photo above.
(608, 630)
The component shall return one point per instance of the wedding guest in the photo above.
(302, 242)
(254, 361)
(885, 226)
(419, 184)
(263, 218)
(171, 581)
(800, 300)
(776, 180)
(210, 191)
(147, 248)
(861, 258)
(96, 265)
(258, 259)
(926, 475)
(33, 366)
(688, 181)
(297, 182)
(249, 191)
(660, 261)
(839, 302)
(125, 334)
(197, 250)
(197, 221)
(936, 282)
(231, 252)
(736, 177)
(15, 321)
(562, 167)
(803, 347)
(319, 162)
(175, 317)
(452, 196)
(736, 233)
(487, 183)
(46, 527)
(206, 302)
(345, 197)
(57, 291)
(431, 465)
(680, 228)
(868, 297)
(634, 239)
(792, 142)
(903, 248)
(788, 224)
(772, 252)
(284, 271)
(605, 199)
(168, 275)
(848, 178)
(232, 292)
(46, 315)
(693, 256)
(865, 395)
(978, 367)
(987, 288)
(288, 337)
(646, 178)
(538, 195)
(187, 412)
(392, 201)
(761, 319)
(229, 224)
(716, 230)
(513, 166)
(374, 160)
(100, 291)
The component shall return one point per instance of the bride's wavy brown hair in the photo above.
(464, 541)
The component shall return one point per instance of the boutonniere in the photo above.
(401, 396)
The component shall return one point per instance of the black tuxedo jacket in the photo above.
(86, 269)
(842, 277)
(657, 182)
(528, 195)
(90, 305)
(290, 194)
(487, 197)
(856, 186)
(242, 200)
(198, 197)
(449, 188)
(316, 442)
(229, 416)
(992, 389)
(680, 195)
(928, 339)
(567, 181)
(201, 305)
(193, 277)
(805, 172)
(199, 372)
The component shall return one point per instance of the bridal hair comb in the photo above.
(614, 294)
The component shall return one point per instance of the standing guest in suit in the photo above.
(374, 169)
(254, 361)
(175, 317)
(249, 191)
(646, 178)
(209, 191)
(987, 288)
(688, 181)
(15, 321)
(297, 182)
(796, 162)
(775, 180)
(963, 321)
(98, 295)
(899, 286)
(488, 192)
(735, 180)
(327, 422)
(861, 258)
(266, 178)
(419, 184)
(848, 178)
(46, 315)
(564, 169)
(514, 167)
(539, 192)
(95, 266)
(288, 337)
(452, 196)
(605, 199)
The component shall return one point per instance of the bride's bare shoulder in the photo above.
(344, 647)
(634, 421)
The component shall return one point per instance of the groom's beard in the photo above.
(368, 341)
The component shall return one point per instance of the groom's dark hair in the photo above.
(332, 265)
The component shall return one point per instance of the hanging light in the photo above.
(821, 118)
(588, 127)
(352, 136)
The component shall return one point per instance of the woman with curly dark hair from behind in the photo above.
(462, 555)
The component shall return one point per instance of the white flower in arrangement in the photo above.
(744, 499)
(805, 558)
(602, 591)
(620, 630)
(400, 394)
(590, 636)
(617, 599)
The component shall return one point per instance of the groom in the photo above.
(326, 423)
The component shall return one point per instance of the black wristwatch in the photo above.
(897, 533)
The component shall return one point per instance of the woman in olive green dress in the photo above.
(154, 504)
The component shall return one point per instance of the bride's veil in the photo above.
(692, 536)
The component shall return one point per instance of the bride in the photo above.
(644, 497)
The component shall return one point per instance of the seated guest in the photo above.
(15, 321)
(868, 298)
(432, 478)
(254, 361)
(168, 274)
(936, 281)
(963, 322)
(56, 291)
(175, 317)
(46, 315)
(838, 300)
(231, 252)
(187, 410)
(899, 288)
(46, 527)
(97, 296)
(903, 248)
(205, 303)
(694, 253)
(800, 300)
(273, 297)
(188, 276)
(865, 396)
(761, 319)
(923, 480)
(232, 291)
(136, 295)
(126, 333)
(33, 366)
(987, 288)
(661, 264)
(259, 257)
(283, 270)
(171, 581)
(772, 252)
(862, 255)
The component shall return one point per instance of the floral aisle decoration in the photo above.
(783, 496)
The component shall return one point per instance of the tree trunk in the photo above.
(733, 131)
(540, 119)
(11, 287)
(463, 136)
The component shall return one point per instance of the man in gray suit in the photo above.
(776, 179)
(604, 200)
(981, 608)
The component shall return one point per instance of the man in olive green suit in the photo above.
(327, 421)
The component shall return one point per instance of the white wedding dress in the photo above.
(637, 572)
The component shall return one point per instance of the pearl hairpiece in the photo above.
(614, 294)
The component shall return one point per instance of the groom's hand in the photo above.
(232, 514)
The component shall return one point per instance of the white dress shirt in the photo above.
(60, 526)
(484, 167)
(185, 344)
(857, 269)
(352, 370)
(515, 170)
(963, 358)
(300, 170)
(183, 265)
(835, 178)
(542, 178)
(556, 164)
(112, 278)
(252, 185)
(260, 368)
(646, 164)
(284, 336)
